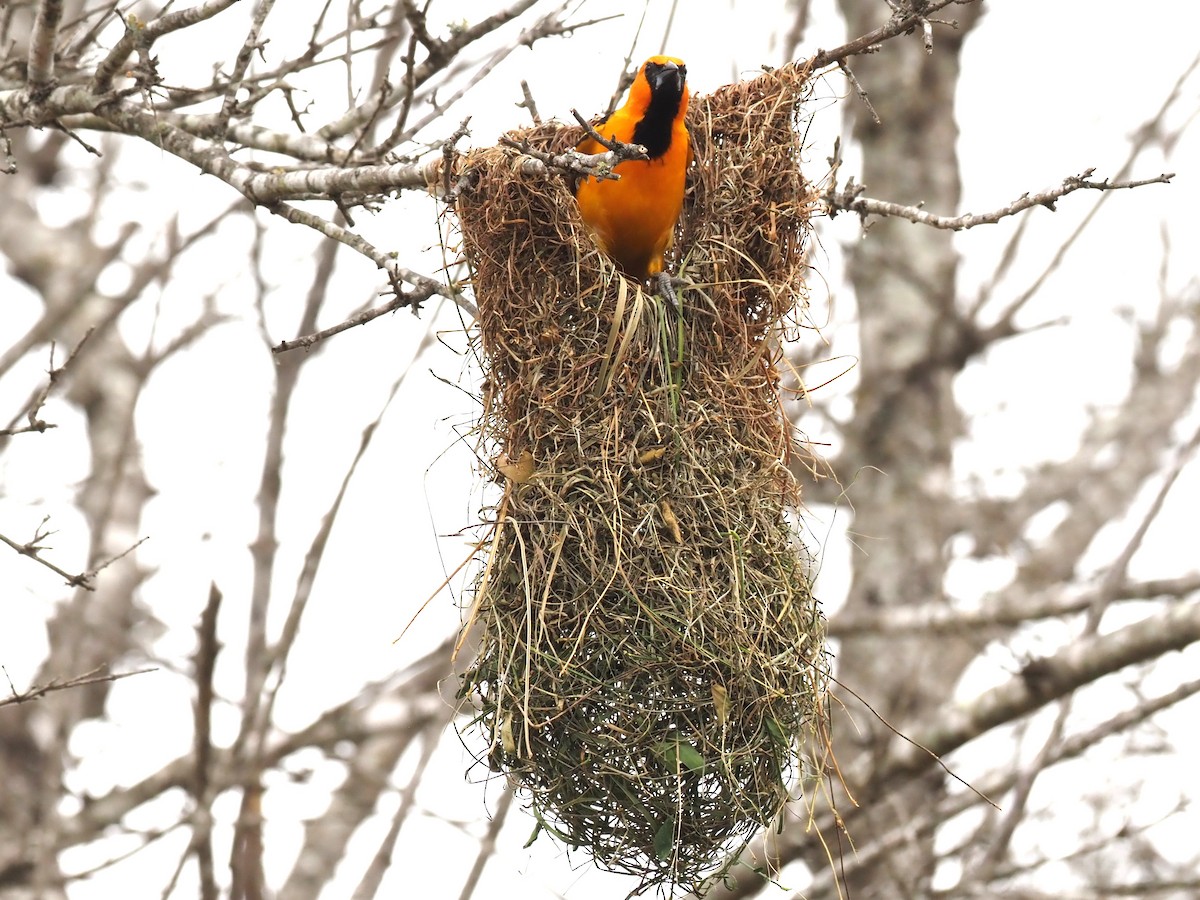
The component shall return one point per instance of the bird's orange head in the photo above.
(660, 89)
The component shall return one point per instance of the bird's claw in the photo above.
(666, 290)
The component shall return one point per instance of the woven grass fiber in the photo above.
(651, 657)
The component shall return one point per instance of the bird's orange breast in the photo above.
(633, 218)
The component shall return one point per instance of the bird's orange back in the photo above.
(633, 218)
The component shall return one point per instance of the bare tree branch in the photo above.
(1049, 678)
(1157, 399)
(440, 53)
(999, 782)
(41, 45)
(905, 17)
(1150, 131)
(1039, 683)
(849, 199)
(487, 846)
(1008, 608)
(205, 664)
(572, 162)
(249, 46)
(368, 887)
(142, 35)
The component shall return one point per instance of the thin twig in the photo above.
(281, 650)
(448, 154)
(37, 692)
(528, 103)
(39, 399)
(425, 286)
(911, 741)
(33, 549)
(242, 63)
(635, 151)
(91, 574)
(859, 89)
(354, 321)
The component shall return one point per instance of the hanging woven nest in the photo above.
(651, 661)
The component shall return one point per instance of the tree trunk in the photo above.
(901, 439)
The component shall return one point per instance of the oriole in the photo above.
(633, 218)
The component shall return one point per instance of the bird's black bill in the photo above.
(667, 78)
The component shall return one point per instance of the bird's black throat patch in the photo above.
(654, 130)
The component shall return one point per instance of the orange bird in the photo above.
(633, 218)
